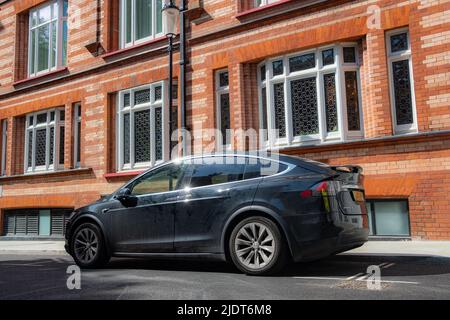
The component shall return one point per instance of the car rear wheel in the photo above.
(88, 246)
(257, 247)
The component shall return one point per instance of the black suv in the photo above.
(256, 211)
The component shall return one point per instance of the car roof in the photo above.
(274, 156)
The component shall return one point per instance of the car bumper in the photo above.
(321, 248)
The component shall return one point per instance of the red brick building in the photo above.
(359, 82)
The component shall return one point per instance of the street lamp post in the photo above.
(170, 13)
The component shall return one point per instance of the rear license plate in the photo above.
(358, 196)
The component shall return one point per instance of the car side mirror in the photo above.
(125, 197)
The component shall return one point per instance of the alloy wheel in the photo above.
(86, 245)
(254, 245)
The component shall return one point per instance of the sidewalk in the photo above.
(32, 247)
(429, 248)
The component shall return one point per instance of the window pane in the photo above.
(349, 55)
(126, 138)
(223, 79)
(329, 82)
(41, 118)
(328, 57)
(351, 91)
(402, 92)
(158, 134)
(305, 118)
(263, 73)
(40, 147)
(43, 47)
(143, 15)
(34, 18)
(45, 14)
(142, 96)
(61, 144)
(128, 20)
(33, 51)
(53, 51)
(52, 145)
(257, 168)
(126, 100)
(30, 149)
(277, 67)
(64, 44)
(264, 111)
(65, 8)
(142, 136)
(399, 42)
(392, 218)
(158, 16)
(280, 117)
(215, 173)
(224, 116)
(158, 93)
(79, 142)
(162, 180)
(303, 62)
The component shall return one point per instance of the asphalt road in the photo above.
(338, 277)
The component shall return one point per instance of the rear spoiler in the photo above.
(351, 176)
(348, 169)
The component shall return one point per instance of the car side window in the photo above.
(161, 180)
(210, 173)
(256, 168)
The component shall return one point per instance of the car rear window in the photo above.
(257, 168)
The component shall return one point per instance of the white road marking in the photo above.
(344, 279)
(361, 276)
(355, 276)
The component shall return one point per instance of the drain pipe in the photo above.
(183, 63)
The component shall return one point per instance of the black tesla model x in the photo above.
(255, 211)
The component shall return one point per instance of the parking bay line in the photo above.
(361, 276)
(347, 279)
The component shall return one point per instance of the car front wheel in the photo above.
(257, 247)
(88, 247)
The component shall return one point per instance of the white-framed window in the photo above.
(311, 96)
(44, 140)
(4, 145)
(401, 82)
(260, 3)
(47, 42)
(142, 119)
(140, 21)
(223, 108)
(76, 135)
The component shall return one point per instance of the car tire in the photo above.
(257, 247)
(88, 246)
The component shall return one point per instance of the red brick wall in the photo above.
(225, 37)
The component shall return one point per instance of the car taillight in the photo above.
(318, 190)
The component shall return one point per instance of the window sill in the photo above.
(46, 174)
(41, 77)
(132, 48)
(262, 8)
(122, 174)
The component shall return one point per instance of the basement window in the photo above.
(388, 218)
(44, 141)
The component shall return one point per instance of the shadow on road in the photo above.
(335, 266)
